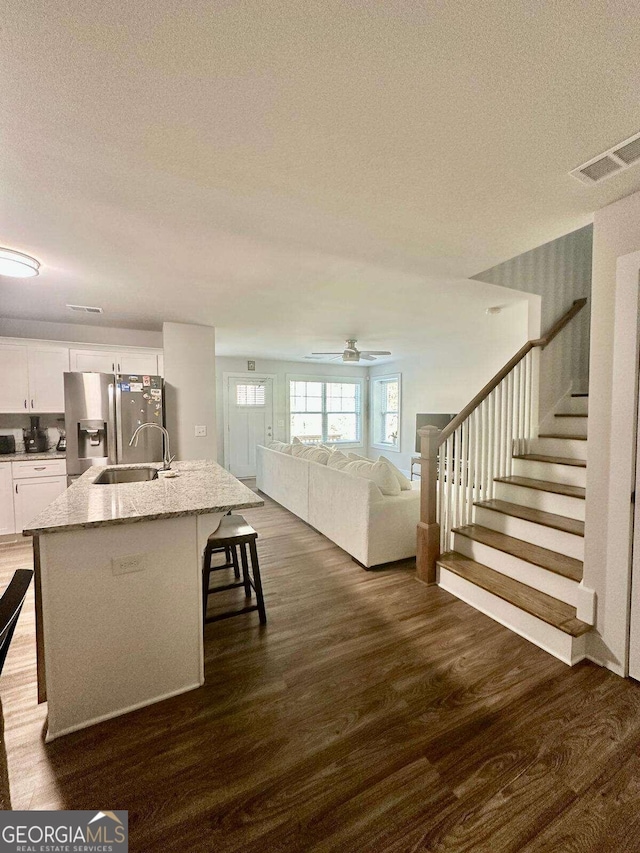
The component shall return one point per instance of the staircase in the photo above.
(520, 561)
(503, 507)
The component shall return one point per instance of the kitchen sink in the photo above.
(113, 476)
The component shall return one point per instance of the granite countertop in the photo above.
(200, 487)
(32, 457)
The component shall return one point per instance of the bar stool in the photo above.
(233, 533)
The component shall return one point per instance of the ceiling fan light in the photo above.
(17, 265)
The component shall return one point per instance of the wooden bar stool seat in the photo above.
(233, 535)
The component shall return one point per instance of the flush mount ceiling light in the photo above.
(17, 265)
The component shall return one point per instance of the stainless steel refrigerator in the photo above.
(103, 410)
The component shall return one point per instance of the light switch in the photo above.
(201, 431)
(280, 424)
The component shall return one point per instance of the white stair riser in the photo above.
(577, 405)
(529, 531)
(568, 649)
(541, 579)
(547, 501)
(559, 447)
(570, 475)
(570, 426)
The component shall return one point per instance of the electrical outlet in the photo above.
(127, 565)
(201, 431)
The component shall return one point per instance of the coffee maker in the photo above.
(36, 439)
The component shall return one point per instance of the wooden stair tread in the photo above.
(556, 613)
(559, 564)
(537, 516)
(559, 435)
(571, 415)
(545, 486)
(555, 460)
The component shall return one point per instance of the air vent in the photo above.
(85, 309)
(611, 162)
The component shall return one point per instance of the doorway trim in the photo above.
(613, 619)
(242, 374)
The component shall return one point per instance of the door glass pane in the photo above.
(250, 395)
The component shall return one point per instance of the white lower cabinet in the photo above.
(33, 494)
(7, 522)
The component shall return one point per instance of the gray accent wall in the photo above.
(559, 272)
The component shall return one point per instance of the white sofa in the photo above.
(350, 510)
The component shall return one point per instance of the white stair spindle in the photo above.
(471, 473)
(509, 436)
(465, 470)
(450, 492)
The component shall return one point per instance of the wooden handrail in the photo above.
(542, 342)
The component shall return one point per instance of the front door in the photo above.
(250, 422)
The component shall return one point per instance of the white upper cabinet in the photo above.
(107, 361)
(93, 361)
(47, 366)
(31, 378)
(133, 362)
(14, 378)
(32, 373)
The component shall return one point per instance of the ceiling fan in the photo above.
(350, 354)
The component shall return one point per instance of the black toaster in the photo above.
(7, 444)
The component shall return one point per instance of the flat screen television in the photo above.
(434, 419)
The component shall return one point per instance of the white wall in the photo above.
(437, 381)
(616, 233)
(190, 389)
(280, 369)
(79, 333)
(559, 272)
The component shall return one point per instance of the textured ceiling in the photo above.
(279, 167)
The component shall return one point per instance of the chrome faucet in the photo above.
(168, 458)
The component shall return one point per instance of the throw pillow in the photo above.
(403, 482)
(297, 448)
(316, 454)
(277, 445)
(355, 457)
(378, 472)
(295, 440)
(337, 459)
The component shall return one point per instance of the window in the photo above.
(385, 412)
(250, 395)
(325, 411)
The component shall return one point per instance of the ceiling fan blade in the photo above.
(374, 352)
(326, 353)
(313, 357)
(367, 357)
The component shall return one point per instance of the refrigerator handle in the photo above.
(111, 426)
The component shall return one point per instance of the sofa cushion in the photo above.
(404, 482)
(356, 456)
(278, 445)
(337, 459)
(378, 472)
(315, 454)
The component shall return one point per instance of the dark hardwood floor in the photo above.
(371, 714)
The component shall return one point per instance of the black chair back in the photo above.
(10, 607)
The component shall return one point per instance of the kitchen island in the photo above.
(118, 589)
